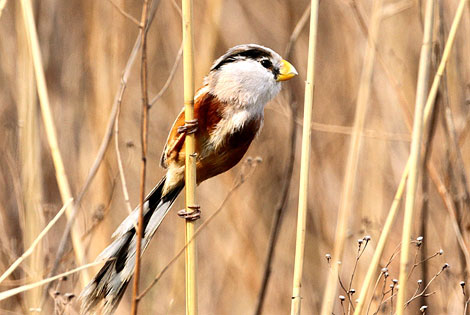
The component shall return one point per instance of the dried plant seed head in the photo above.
(386, 274)
(342, 298)
(367, 238)
(359, 241)
(423, 308)
(419, 238)
(328, 257)
(441, 252)
(384, 270)
(420, 282)
(352, 291)
(392, 285)
(339, 262)
(462, 284)
(395, 281)
(446, 265)
(69, 296)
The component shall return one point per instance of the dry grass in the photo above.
(85, 46)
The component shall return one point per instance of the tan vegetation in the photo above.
(85, 46)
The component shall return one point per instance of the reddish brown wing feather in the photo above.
(208, 111)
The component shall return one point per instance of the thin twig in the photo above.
(30, 250)
(423, 293)
(26, 287)
(143, 169)
(125, 14)
(125, 191)
(170, 77)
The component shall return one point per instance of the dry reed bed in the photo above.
(85, 46)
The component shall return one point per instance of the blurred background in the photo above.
(85, 46)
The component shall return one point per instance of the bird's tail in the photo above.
(110, 283)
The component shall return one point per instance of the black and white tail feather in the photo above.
(110, 283)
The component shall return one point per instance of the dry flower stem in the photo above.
(6, 294)
(144, 140)
(305, 161)
(190, 161)
(353, 158)
(415, 152)
(30, 250)
(49, 126)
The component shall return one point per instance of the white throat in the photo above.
(245, 84)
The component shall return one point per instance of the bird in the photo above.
(229, 114)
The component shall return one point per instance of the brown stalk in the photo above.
(144, 141)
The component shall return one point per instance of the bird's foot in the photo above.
(194, 215)
(189, 127)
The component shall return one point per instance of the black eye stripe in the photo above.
(254, 54)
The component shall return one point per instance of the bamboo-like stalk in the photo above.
(49, 126)
(392, 213)
(305, 161)
(143, 168)
(353, 158)
(190, 160)
(415, 152)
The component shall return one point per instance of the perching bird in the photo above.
(229, 110)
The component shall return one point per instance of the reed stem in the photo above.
(190, 161)
(415, 152)
(305, 161)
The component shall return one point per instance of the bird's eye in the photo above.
(266, 63)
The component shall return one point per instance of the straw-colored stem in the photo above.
(415, 152)
(353, 159)
(143, 168)
(190, 161)
(392, 213)
(305, 161)
(6, 294)
(49, 126)
(36, 241)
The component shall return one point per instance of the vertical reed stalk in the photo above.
(144, 140)
(30, 152)
(415, 152)
(49, 126)
(305, 161)
(190, 161)
(353, 158)
(427, 117)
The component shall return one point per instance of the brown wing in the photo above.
(207, 110)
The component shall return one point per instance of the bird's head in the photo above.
(248, 75)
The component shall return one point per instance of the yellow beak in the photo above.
(286, 72)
